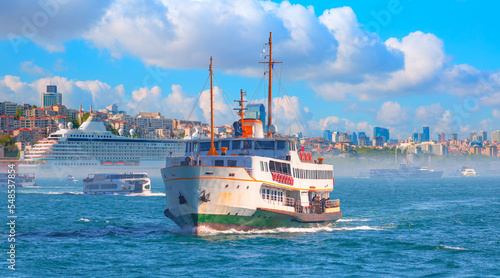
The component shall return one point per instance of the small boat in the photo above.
(19, 180)
(71, 178)
(96, 184)
(467, 172)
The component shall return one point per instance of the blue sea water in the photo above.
(446, 227)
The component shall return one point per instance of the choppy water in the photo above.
(390, 228)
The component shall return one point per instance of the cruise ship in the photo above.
(258, 181)
(92, 149)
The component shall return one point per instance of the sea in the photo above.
(390, 227)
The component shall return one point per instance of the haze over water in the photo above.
(446, 227)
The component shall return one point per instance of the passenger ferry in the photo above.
(93, 149)
(126, 183)
(256, 182)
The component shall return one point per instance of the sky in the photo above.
(346, 65)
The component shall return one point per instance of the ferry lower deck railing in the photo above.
(278, 200)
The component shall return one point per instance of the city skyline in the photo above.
(350, 67)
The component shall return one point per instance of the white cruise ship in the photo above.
(92, 149)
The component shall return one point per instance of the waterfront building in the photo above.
(472, 134)
(363, 140)
(327, 134)
(492, 151)
(426, 132)
(381, 132)
(454, 136)
(8, 108)
(475, 149)
(495, 136)
(51, 97)
(484, 135)
(378, 141)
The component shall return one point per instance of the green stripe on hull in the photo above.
(259, 220)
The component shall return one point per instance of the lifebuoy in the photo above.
(333, 180)
(274, 176)
(309, 156)
(291, 181)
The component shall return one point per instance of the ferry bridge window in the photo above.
(231, 163)
(219, 162)
(247, 144)
(205, 146)
(235, 145)
(281, 145)
(264, 145)
(272, 166)
(224, 144)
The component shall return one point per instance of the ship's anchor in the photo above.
(182, 200)
(204, 197)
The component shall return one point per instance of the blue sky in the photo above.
(347, 65)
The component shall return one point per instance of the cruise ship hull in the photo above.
(224, 198)
(81, 168)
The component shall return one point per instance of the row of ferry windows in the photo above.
(89, 136)
(280, 145)
(285, 168)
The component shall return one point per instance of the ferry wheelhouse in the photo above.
(256, 182)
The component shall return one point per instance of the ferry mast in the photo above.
(271, 62)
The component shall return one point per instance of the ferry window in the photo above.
(281, 145)
(235, 145)
(205, 146)
(264, 145)
(231, 163)
(262, 166)
(219, 162)
(263, 193)
(224, 144)
(265, 165)
(272, 166)
(247, 144)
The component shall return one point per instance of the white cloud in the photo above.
(30, 68)
(391, 113)
(48, 23)
(496, 113)
(429, 114)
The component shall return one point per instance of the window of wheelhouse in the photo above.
(264, 145)
(235, 145)
(281, 145)
(205, 146)
(247, 144)
(224, 144)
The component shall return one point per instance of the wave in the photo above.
(84, 220)
(52, 193)
(146, 194)
(449, 247)
(353, 220)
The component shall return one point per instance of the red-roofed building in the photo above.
(29, 135)
(8, 123)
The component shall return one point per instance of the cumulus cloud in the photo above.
(391, 113)
(496, 113)
(48, 23)
(30, 68)
(429, 114)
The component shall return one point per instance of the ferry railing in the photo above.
(332, 203)
(278, 200)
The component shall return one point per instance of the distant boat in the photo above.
(97, 184)
(406, 172)
(19, 180)
(466, 172)
(71, 178)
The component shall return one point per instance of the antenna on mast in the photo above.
(212, 148)
(271, 63)
(241, 112)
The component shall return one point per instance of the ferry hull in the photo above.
(260, 220)
(225, 199)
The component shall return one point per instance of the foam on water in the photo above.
(449, 247)
(353, 220)
(146, 194)
(84, 220)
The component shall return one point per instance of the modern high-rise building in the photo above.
(381, 132)
(363, 140)
(51, 97)
(472, 134)
(484, 135)
(442, 138)
(354, 138)
(257, 111)
(327, 134)
(495, 136)
(414, 137)
(426, 134)
(454, 136)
